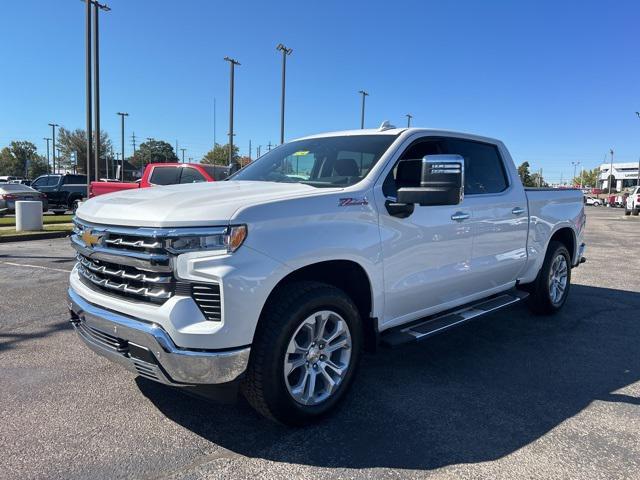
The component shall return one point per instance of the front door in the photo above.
(426, 254)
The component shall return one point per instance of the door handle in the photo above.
(460, 216)
(517, 211)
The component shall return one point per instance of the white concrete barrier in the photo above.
(28, 215)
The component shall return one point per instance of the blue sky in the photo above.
(557, 81)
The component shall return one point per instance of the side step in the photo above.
(429, 326)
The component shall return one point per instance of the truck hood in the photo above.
(188, 205)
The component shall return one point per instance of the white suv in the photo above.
(633, 203)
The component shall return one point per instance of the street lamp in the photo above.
(409, 117)
(575, 164)
(610, 181)
(285, 51)
(53, 129)
(232, 64)
(96, 83)
(48, 158)
(638, 179)
(364, 94)
(122, 115)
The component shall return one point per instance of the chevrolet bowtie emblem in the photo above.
(89, 238)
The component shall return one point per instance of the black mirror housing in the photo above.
(441, 182)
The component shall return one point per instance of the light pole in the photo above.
(285, 51)
(364, 94)
(48, 158)
(638, 179)
(409, 117)
(232, 64)
(88, 90)
(96, 83)
(183, 150)
(122, 115)
(53, 129)
(610, 171)
(575, 165)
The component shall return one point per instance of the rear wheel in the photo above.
(636, 211)
(305, 353)
(550, 290)
(627, 211)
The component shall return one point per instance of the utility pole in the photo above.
(214, 122)
(249, 149)
(232, 64)
(258, 152)
(610, 180)
(575, 164)
(540, 179)
(638, 179)
(581, 175)
(53, 144)
(409, 117)
(183, 150)
(364, 94)
(133, 142)
(96, 82)
(48, 158)
(285, 51)
(122, 115)
(269, 145)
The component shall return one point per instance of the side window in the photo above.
(53, 180)
(483, 168)
(408, 169)
(191, 175)
(165, 175)
(39, 182)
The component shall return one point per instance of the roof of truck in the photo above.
(398, 131)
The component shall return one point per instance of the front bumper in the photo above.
(146, 349)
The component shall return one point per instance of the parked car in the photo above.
(277, 279)
(596, 202)
(21, 181)
(632, 205)
(64, 192)
(164, 174)
(7, 178)
(10, 193)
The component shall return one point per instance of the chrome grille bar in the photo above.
(122, 273)
(123, 287)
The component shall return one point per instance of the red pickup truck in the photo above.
(164, 174)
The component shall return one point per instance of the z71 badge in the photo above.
(351, 201)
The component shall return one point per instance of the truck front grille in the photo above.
(134, 264)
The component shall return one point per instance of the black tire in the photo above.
(540, 301)
(627, 211)
(264, 385)
(59, 212)
(74, 205)
(636, 212)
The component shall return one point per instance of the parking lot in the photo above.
(508, 396)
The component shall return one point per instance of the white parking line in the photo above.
(35, 266)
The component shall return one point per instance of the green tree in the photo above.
(73, 148)
(537, 180)
(154, 151)
(38, 166)
(219, 155)
(588, 178)
(15, 159)
(525, 175)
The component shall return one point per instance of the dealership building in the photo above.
(625, 175)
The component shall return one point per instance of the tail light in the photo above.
(8, 196)
(638, 199)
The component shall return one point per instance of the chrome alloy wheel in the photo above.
(558, 277)
(317, 358)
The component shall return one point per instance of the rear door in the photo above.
(499, 213)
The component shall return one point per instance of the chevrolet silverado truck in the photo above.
(276, 279)
(164, 174)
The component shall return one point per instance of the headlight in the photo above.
(228, 240)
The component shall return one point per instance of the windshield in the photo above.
(320, 162)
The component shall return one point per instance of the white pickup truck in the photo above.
(632, 204)
(277, 279)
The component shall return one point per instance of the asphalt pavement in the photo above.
(508, 396)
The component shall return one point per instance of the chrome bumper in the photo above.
(146, 349)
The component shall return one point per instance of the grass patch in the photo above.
(46, 219)
(47, 228)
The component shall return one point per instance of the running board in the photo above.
(430, 326)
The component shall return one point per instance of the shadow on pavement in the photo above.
(473, 394)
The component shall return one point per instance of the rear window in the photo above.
(165, 176)
(217, 172)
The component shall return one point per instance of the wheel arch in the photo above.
(567, 237)
(347, 275)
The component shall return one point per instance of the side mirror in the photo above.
(441, 182)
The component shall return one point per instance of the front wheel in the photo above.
(550, 290)
(305, 353)
(627, 211)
